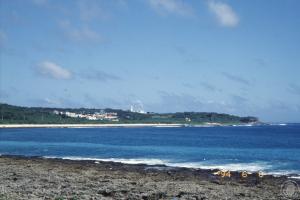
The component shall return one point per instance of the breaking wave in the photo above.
(265, 167)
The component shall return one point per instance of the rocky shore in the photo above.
(38, 178)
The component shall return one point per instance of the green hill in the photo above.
(10, 114)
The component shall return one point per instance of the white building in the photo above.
(91, 118)
(96, 116)
(137, 107)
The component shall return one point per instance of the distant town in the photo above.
(110, 116)
(102, 115)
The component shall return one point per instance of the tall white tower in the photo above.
(137, 107)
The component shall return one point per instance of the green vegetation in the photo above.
(38, 115)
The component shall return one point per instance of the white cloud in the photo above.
(171, 6)
(52, 70)
(79, 34)
(224, 13)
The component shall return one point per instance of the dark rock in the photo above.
(181, 193)
(105, 193)
(241, 194)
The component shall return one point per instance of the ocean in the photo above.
(272, 149)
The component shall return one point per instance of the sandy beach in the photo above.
(85, 125)
(39, 178)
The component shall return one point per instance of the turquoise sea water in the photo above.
(272, 149)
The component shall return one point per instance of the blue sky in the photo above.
(229, 56)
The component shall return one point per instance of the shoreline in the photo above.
(152, 164)
(49, 178)
(86, 125)
(132, 125)
(165, 164)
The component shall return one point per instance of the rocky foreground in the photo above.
(38, 178)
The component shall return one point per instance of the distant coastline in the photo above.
(85, 125)
(17, 116)
(137, 125)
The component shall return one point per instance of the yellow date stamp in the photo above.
(243, 174)
(223, 173)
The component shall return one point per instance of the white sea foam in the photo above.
(278, 124)
(282, 124)
(294, 177)
(250, 167)
(151, 161)
(290, 173)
